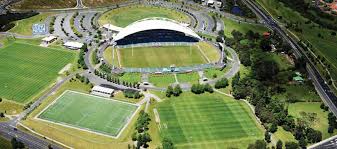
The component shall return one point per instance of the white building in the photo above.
(112, 28)
(102, 91)
(47, 40)
(73, 45)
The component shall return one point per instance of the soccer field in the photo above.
(87, 112)
(207, 121)
(141, 57)
(28, 69)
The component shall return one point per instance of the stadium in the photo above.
(156, 44)
(156, 30)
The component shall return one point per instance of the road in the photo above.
(328, 97)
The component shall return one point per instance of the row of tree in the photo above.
(141, 134)
(115, 79)
(201, 88)
(176, 91)
(81, 62)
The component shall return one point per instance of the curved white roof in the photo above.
(155, 23)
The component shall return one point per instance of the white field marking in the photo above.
(85, 129)
(65, 68)
(203, 54)
(157, 118)
(52, 140)
(119, 58)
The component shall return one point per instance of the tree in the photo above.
(177, 90)
(2, 114)
(0, 99)
(265, 45)
(330, 130)
(265, 69)
(169, 91)
(167, 144)
(222, 83)
(259, 144)
(302, 142)
(267, 137)
(273, 128)
(17, 144)
(279, 144)
(291, 145)
(208, 88)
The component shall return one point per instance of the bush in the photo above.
(223, 83)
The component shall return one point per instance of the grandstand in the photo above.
(155, 30)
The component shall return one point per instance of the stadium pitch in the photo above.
(207, 121)
(89, 113)
(27, 69)
(161, 56)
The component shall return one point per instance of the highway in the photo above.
(323, 89)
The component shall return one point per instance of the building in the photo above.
(112, 28)
(48, 40)
(155, 30)
(73, 45)
(102, 91)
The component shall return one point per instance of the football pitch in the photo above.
(87, 112)
(207, 121)
(163, 56)
(27, 69)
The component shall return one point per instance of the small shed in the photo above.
(73, 45)
(102, 91)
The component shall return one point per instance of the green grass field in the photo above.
(231, 25)
(160, 56)
(24, 27)
(5, 144)
(44, 4)
(208, 121)
(90, 112)
(126, 15)
(192, 78)
(162, 80)
(320, 122)
(27, 69)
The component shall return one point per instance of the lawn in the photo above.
(208, 121)
(281, 61)
(24, 26)
(301, 92)
(162, 80)
(10, 108)
(89, 112)
(127, 15)
(284, 136)
(107, 56)
(243, 27)
(320, 121)
(142, 57)
(44, 4)
(28, 69)
(324, 46)
(211, 52)
(192, 78)
(131, 77)
(5, 144)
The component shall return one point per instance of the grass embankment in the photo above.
(44, 4)
(324, 46)
(210, 51)
(208, 121)
(127, 15)
(5, 144)
(28, 69)
(72, 137)
(99, 3)
(192, 78)
(243, 27)
(24, 26)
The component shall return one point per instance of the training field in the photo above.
(207, 121)
(27, 69)
(87, 112)
(164, 56)
(127, 15)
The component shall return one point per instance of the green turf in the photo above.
(162, 80)
(300, 92)
(5, 144)
(127, 15)
(321, 121)
(192, 78)
(160, 56)
(90, 112)
(207, 121)
(282, 61)
(131, 77)
(27, 69)
(231, 25)
(284, 136)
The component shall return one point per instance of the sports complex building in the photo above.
(155, 30)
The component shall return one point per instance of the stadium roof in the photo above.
(155, 23)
